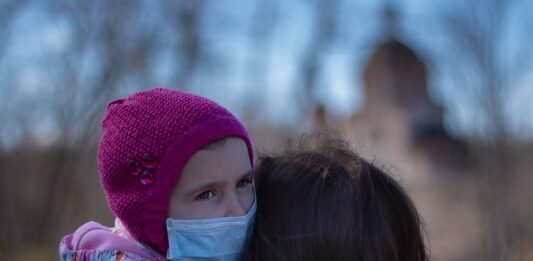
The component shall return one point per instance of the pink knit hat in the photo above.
(147, 139)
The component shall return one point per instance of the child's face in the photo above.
(216, 182)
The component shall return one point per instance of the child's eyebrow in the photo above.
(250, 173)
(201, 188)
(205, 187)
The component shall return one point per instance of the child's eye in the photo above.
(205, 195)
(244, 182)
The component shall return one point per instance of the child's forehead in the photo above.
(227, 160)
(217, 143)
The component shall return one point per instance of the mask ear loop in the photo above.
(254, 206)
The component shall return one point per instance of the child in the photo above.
(176, 169)
(323, 202)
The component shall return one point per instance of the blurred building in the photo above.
(399, 120)
(401, 129)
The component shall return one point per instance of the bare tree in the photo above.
(323, 34)
(262, 26)
(9, 12)
(185, 20)
(485, 74)
(122, 51)
(109, 42)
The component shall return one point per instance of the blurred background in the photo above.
(438, 93)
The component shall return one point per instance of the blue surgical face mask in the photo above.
(209, 239)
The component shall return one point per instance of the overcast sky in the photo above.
(38, 37)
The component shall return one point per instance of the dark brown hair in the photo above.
(321, 201)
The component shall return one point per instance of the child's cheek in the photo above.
(247, 196)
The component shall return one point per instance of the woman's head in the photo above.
(321, 201)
